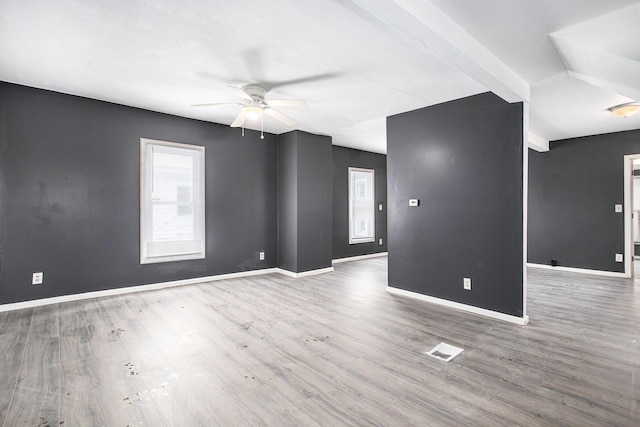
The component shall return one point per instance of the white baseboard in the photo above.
(304, 273)
(459, 306)
(131, 289)
(154, 286)
(578, 270)
(357, 257)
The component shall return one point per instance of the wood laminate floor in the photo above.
(326, 350)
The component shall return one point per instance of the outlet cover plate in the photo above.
(261, 255)
(619, 258)
(37, 278)
(466, 283)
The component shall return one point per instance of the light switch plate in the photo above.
(618, 208)
(619, 258)
(414, 202)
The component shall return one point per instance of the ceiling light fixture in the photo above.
(252, 112)
(625, 110)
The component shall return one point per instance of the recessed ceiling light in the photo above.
(625, 110)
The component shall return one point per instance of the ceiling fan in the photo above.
(255, 106)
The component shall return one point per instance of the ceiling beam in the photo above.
(425, 27)
(609, 62)
(607, 70)
(536, 142)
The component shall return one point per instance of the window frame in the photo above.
(368, 239)
(156, 252)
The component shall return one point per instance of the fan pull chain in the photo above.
(262, 125)
(243, 130)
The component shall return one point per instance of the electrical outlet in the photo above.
(380, 207)
(37, 278)
(619, 258)
(466, 282)
(617, 208)
(380, 242)
(261, 255)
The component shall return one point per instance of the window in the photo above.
(171, 201)
(362, 227)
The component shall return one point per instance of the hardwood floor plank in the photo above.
(106, 395)
(39, 368)
(11, 354)
(16, 321)
(75, 338)
(33, 408)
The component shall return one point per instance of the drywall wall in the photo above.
(70, 188)
(305, 201)
(573, 190)
(343, 159)
(463, 160)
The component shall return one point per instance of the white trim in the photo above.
(628, 211)
(578, 270)
(304, 273)
(459, 306)
(358, 257)
(525, 205)
(155, 286)
(537, 143)
(351, 197)
(155, 252)
(131, 289)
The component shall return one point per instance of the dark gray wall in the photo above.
(305, 192)
(572, 192)
(315, 213)
(287, 202)
(70, 188)
(343, 159)
(463, 160)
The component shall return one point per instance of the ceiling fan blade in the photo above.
(240, 92)
(214, 104)
(279, 116)
(286, 102)
(239, 120)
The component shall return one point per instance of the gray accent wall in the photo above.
(464, 161)
(573, 189)
(304, 202)
(70, 189)
(287, 202)
(70, 196)
(343, 159)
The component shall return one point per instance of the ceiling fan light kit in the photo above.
(251, 112)
(625, 110)
(255, 106)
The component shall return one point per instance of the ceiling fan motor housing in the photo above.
(257, 93)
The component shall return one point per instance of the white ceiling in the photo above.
(354, 61)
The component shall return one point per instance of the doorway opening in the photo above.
(631, 212)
